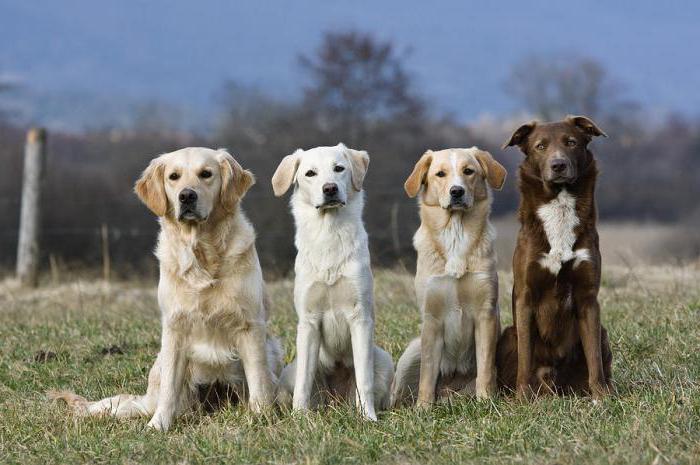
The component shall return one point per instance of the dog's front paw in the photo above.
(485, 391)
(369, 416)
(300, 406)
(599, 392)
(261, 405)
(159, 422)
(525, 393)
(424, 404)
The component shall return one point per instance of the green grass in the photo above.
(652, 315)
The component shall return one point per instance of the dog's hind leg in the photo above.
(285, 387)
(404, 388)
(275, 357)
(383, 377)
(507, 359)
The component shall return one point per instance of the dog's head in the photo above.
(325, 177)
(455, 179)
(192, 184)
(556, 152)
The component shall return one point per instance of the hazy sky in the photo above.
(460, 51)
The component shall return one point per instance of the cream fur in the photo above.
(456, 288)
(211, 296)
(333, 289)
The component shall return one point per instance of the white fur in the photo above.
(456, 179)
(333, 288)
(455, 241)
(559, 220)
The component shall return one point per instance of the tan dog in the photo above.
(456, 281)
(211, 291)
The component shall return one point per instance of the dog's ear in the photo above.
(586, 125)
(235, 181)
(520, 135)
(359, 162)
(150, 187)
(417, 177)
(494, 171)
(285, 173)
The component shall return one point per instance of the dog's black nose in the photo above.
(558, 165)
(187, 197)
(456, 192)
(330, 189)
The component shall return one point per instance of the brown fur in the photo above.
(557, 342)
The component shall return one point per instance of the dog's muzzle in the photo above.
(560, 171)
(457, 198)
(188, 206)
(330, 196)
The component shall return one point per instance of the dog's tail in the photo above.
(78, 404)
(122, 406)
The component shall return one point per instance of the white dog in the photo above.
(211, 291)
(333, 289)
(456, 281)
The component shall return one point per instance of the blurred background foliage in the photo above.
(357, 90)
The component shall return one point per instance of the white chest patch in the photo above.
(455, 242)
(559, 220)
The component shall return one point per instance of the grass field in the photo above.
(101, 339)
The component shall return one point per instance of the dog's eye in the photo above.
(339, 169)
(468, 171)
(571, 143)
(205, 174)
(540, 146)
(440, 174)
(310, 173)
(174, 176)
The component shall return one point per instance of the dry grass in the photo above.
(652, 314)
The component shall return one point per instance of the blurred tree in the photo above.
(357, 80)
(552, 87)
(156, 117)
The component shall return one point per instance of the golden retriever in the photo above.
(456, 281)
(211, 291)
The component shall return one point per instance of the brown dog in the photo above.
(557, 342)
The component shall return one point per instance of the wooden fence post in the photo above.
(30, 213)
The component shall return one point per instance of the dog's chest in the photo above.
(454, 238)
(559, 220)
(334, 307)
(458, 352)
(209, 347)
(459, 327)
(340, 297)
(455, 241)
